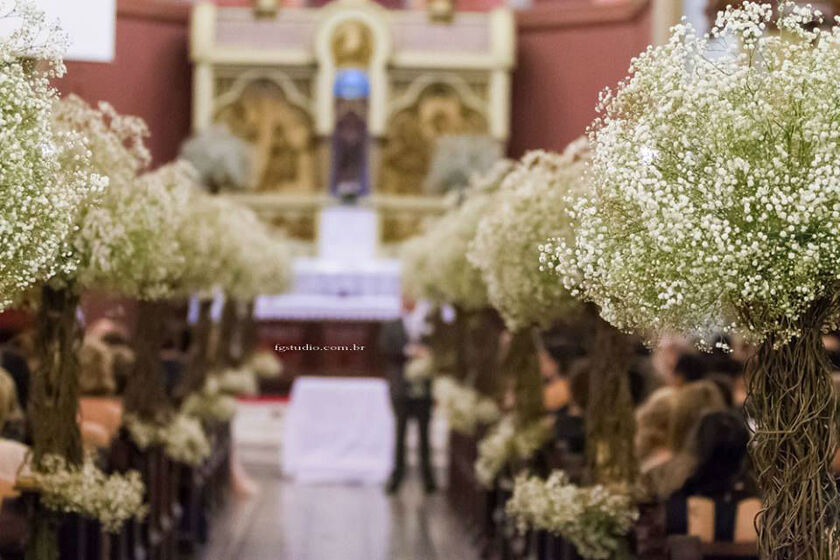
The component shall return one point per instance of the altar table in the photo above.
(338, 430)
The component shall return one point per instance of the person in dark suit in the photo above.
(400, 340)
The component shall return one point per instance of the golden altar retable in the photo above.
(271, 81)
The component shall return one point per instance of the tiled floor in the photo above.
(287, 521)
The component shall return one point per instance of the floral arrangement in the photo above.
(508, 442)
(203, 238)
(224, 162)
(507, 240)
(133, 236)
(465, 408)
(457, 159)
(256, 260)
(594, 519)
(211, 403)
(39, 203)
(183, 437)
(238, 382)
(265, 364)
(420, 368)
(115, 150)
(86, 490)
(436, 265)
(717, 209)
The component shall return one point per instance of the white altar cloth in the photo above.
(347, 233)
(338, 430)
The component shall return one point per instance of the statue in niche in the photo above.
(352, 45)
(349, 168)
(282, 135)
(412, 132)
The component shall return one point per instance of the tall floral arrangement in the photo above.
(505, 249)
(257, 260)
(38, 207)
(437, 268)
(49, 179)
(136, 250)
(523, 215)
(717, 209)
(93, 149)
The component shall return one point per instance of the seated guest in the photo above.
(665, 355)
(115, 338)
(14, 359)
(690, 367)
(653, 428)
(14, 457)
(715, 503)
(569, 419)
(560, 348)
(96, 368)
(12, 422)
(100, 410)
(691, 402)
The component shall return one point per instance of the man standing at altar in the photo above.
(401, 344)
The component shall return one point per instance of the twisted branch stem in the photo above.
(791, 397)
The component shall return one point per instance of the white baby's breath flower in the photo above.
(507, 441)
(595, 519)
(464, 407)
(526, 211)
(717, 199)
(112, 499)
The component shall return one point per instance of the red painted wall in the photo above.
(567, 53)
(149, 77)
(568, 50)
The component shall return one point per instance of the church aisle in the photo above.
(288, 521)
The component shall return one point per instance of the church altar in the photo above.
(343, 106)
(349, 99)
(346, 281)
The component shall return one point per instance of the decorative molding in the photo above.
(276, 76)
(456, 82)
(559, 14)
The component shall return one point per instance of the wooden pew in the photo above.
(683, 547)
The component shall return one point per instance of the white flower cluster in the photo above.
(238, 381)
(594, 519)
(457, 159)
(156, 235)
(464, 407)
(523, 215)
(265, 364)
(134, 246)
(435, 264)
(211, 403)
(183, 438)
(99, 147)
(110, 498)
(31, 35)
(256, 260)
(419, 368)
(507, 442)
(224, 161)
(39, 203)
(717, 204)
